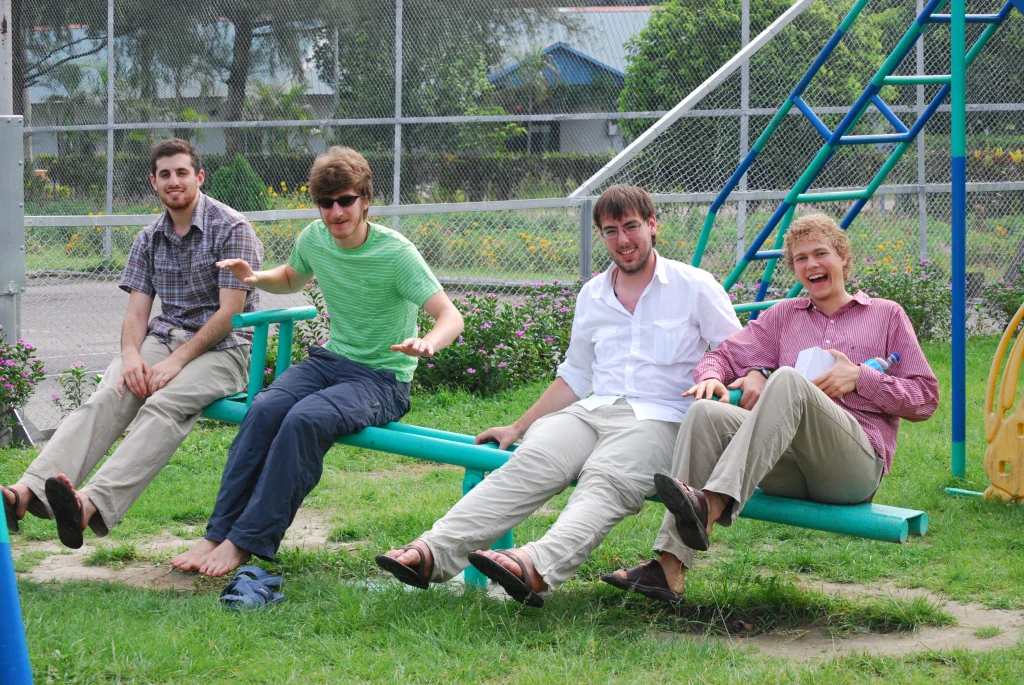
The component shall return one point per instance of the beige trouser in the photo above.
(612, 455)
(795, 443)
(158, 426)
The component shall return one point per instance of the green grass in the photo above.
(757, 578)
(114, 557)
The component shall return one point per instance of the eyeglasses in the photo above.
(344, 201)
(613, 233)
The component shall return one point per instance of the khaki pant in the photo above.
(159, 424)
(612, 455)
(795, 443)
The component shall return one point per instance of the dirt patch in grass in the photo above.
(151, 569)
(978, 629)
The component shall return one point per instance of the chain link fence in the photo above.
(479, 118)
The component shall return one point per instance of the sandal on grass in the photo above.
(67, 512)
(647, 579)
(517, 588)
(251, 588)
(11, 510)
(410, 575)
(689, 506)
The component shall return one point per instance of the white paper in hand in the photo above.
(813, 362)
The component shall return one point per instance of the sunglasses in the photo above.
(344, 201)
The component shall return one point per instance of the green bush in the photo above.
(1002, 298)
(239, 186)
(923, 290)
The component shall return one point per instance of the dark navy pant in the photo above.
(277, 457)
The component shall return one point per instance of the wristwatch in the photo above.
(765, 372)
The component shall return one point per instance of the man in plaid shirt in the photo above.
(830, 438)
(169, 369)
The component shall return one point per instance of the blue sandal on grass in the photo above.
(251, 588)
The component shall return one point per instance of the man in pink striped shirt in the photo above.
(830, 439)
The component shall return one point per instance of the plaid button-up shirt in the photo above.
(181, 271)
(863, 328)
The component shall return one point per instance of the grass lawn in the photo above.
(332, 628)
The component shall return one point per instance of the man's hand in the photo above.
(134, 374)
(705, 389)
(415, 347)
(503, 435)
(162, 372)
(240, 269)
(751, 385)
(841, 378)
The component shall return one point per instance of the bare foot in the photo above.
(414, 557)
(224, 559)
(716, 507)
(194, 558)
(24, 497)
(88, 508)
(537, 583)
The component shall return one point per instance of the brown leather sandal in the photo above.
(410, 575)
(647, 579)
(517, 588)
(689, 506)
(11, 510)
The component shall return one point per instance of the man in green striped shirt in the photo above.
(374, 283)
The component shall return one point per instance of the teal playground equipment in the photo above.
(952, 84)
(14, 664)
(874, 521)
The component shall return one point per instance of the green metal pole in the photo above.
(958, 165)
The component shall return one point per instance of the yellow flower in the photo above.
(473, 224)
(881, 247)
(303, 189)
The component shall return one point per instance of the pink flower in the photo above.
(502, 365)
(548, 339)
(79, 365)
(54, 396)
(470, 370)
(520, 334)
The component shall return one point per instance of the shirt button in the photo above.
(831, 321)
(828, 342)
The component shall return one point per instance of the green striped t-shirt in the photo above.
(373, 293)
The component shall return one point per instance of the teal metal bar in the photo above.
(923, 80)
(258, 360)
(958, 278)
(285, 332)
(754, 306)
(874, 521)
(840, 196)
(958, 492)
(266, 316)
(470, 574)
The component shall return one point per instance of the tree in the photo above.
(688, 40)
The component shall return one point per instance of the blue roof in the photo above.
(561, 64)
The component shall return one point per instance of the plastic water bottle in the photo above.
(883, 365)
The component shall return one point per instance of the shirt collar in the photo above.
(860, 297)
(660, 273)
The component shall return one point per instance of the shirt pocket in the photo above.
(168, 280)
(604, 341)
(204, 275)
(668, 340)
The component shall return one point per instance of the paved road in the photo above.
(76, 319)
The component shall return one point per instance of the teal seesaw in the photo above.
(872, 521)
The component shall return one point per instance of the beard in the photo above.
(640, 262)
(187, 197)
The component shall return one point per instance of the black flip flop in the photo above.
(517, 588)
(690, 509)
(67, 512)
(410, 575)
(11, 510)
(647, 579)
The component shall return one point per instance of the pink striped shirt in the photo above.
(861, 329)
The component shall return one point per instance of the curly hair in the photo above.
(818, 227)
(338, 169)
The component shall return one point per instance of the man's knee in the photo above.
(785, 379)
(704, 412)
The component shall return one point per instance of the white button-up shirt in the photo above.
(646, 357)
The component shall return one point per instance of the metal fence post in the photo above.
(586, 238)
(6, 61)
(396, 178)
(108, 205)
(741, 213)
(922, 195)
(12, 226)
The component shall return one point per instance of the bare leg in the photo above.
(224, 559)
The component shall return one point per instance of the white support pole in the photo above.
(12, 226)
(108, 205)
(6, 60)
(695, 96)
(396, 178)
(741, 211)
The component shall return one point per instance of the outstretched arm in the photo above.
(281, 280)
(448, 325)
(558, 396)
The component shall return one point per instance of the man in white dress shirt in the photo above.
(608, 421)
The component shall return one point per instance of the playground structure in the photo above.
(1004, 457)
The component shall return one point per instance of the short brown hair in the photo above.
(171, 147)
(620, 200)
(338, 169)
(821, 227)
